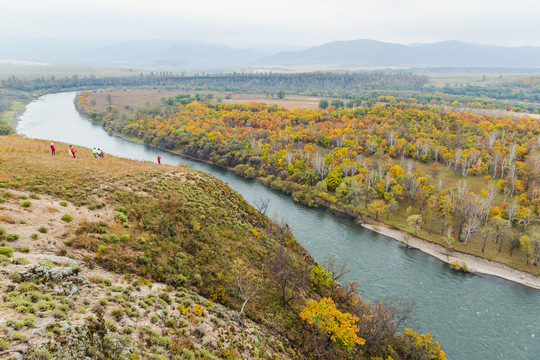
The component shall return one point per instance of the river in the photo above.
(472, 316)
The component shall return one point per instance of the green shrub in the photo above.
(6, 251)
(13, 237)
(21, 261)
(3, 344)
(111, 325)
(63, 203)
(127, 330)
(26, 203)
(39, 354)
(43, 230)
(67, 217)
(34, 196)
(15, 277)
(17, 336)
(121, 217)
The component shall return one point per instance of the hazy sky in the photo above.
(244, 23)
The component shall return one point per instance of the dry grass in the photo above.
(140, 98)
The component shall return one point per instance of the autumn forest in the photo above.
(468, 182)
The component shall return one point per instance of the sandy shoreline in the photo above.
(476, 264)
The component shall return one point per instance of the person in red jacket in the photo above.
(159, 159)
(52, 148)
(72, 150)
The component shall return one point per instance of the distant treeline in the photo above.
(298, 82)
(499, 93)
(359, 87)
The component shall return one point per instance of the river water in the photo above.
(472, 316)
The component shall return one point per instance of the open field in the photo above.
(137, 98)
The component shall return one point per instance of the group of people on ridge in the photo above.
(71, 151)
(97, 152)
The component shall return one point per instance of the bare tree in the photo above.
(338, 271)
(247, 284)
(471, 226)
(392, 137)
(380, 320)
(287, 273)
(288, 157)
(448, 242)
(319, 165)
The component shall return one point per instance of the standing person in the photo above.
(72, 150)
(159, 159)
(101, 153)
(53, 148)
(94, 152)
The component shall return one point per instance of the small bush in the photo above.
(15, 277)
(34, 196)
(121, 217)
(21, 261)
(17, 336)
(43, 230)
(67, 217)
(6, 251)
(26, 203)
(34, 236)
(40, 354)
(111, 325)
(127, 330)
(13, 237)
(3, 344)
(63, 203)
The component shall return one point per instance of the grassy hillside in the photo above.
(115, 258)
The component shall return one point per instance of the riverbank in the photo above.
(475, 264)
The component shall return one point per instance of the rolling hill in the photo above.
(369, 53)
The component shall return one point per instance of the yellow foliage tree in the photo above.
(421, 346)
(377, 207)
(338, 325)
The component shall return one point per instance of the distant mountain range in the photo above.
(170, 55)
(369, 53)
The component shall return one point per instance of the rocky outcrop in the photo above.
(66, 280)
